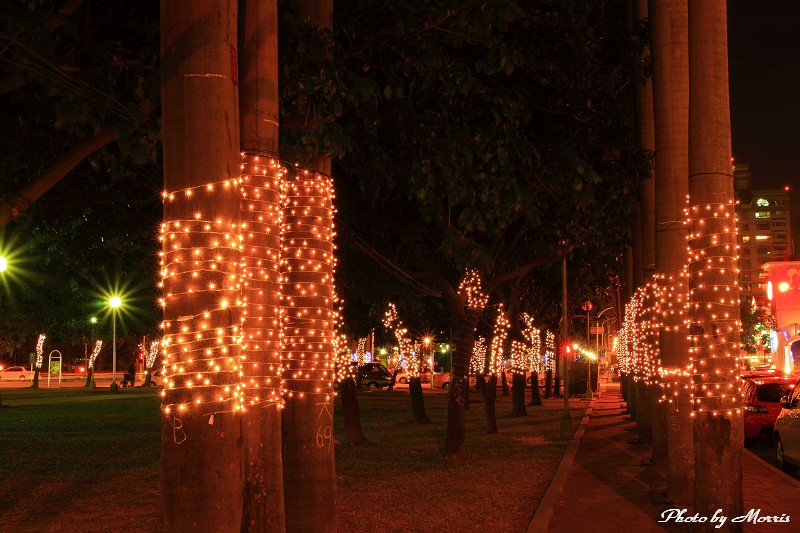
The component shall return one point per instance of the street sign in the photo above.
(587, 306)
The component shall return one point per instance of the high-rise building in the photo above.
(768, 224)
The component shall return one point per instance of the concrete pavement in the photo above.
(602, 483)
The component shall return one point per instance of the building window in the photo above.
(762, 251)
(745, 238)
(763, 214)
(746, 264)
(762, 202)
(744, 227)
(762, 226)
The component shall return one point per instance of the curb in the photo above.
(547, 505)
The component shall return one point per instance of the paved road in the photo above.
(764, 448)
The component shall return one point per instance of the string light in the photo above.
(40, 351)
(501, 326)
(200, 261)
(95, 352)
(477, 363)
(714, 321)
(307, 270)
(261, 213)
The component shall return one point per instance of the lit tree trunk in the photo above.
(261, 214)
(201, 454)
(670, 57)
(309, 473)
(657, 430)
(713, 293)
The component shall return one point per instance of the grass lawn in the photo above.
(81, 460)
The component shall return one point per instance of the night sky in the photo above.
(764, 65)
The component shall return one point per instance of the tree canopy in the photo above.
(475, 135)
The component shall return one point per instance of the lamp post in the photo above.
(114, 302)
(3, 263)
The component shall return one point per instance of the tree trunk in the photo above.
(480, 384)
(201, 453)
(556, 385)
(456, 400)
(669, 22)
(535, 397)
(90, 378)
(309, 471)
(548, 384)
(504, 382)
(518, 395)
(260, 211)
(348, 393)
(35, 382)
(489, 397)
(644, 426)
(417, 401)
(394, 378)
(713, 293)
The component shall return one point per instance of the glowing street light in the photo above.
(114, 302)
(3, 263)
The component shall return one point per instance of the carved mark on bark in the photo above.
(178, 435)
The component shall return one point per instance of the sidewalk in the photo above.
(601, 482)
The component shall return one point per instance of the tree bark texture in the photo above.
(201, 444)
(713, 293)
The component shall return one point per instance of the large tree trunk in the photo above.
(307, 237)
(348, 393)
(669, 22)
(308, 459)
(459, 383)
(657, 430)
(713, 293)
(260, 211)
(201, 453)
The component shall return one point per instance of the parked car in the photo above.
(440, 379)
(373, 375)
(787, 431)
(761, 403)
(15, 373)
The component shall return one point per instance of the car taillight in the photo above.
(756, 408)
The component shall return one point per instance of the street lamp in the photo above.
(114, 302)
(3, 263)
(566, 420)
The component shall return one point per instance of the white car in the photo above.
(787, 431)
(15, 373)
(440, 379)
